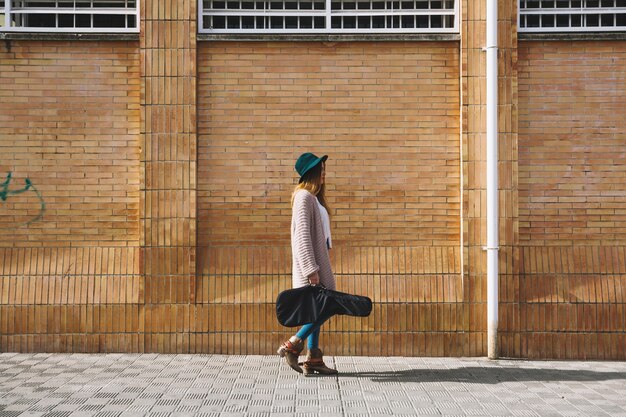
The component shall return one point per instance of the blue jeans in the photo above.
(311, 332)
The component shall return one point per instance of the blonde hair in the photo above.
(312, 182)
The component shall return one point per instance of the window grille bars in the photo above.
(73, 16)
(328, 16)
(571, 16)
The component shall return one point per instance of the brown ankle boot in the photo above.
(315, 364)
(291, 352)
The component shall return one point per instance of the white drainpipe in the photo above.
(492, 178)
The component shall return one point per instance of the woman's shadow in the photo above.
(487, 375)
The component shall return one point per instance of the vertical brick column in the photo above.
(509, 265)
(168, 162)
(473, 149)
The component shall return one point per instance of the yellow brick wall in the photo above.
(567, 302)
(572, 141)
(69, 121)
(568, 299)
(387, 114)
(113, 266)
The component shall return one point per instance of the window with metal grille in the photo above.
(572, 15)
(328, 16)
(96, 16)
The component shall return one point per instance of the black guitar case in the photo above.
(304, 305)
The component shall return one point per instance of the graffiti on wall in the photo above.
(6, 192)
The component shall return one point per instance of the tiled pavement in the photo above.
(215, 385)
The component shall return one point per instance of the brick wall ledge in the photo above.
(330, 37)
(9, 36)
(586, 36)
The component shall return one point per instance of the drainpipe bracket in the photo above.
(491, 248)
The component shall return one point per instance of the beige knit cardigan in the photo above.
(308, 244)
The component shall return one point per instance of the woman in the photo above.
(310, 243)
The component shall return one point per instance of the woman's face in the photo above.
(323, 172)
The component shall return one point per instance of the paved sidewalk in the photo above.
(215, 385)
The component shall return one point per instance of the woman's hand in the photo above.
(314, 279)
